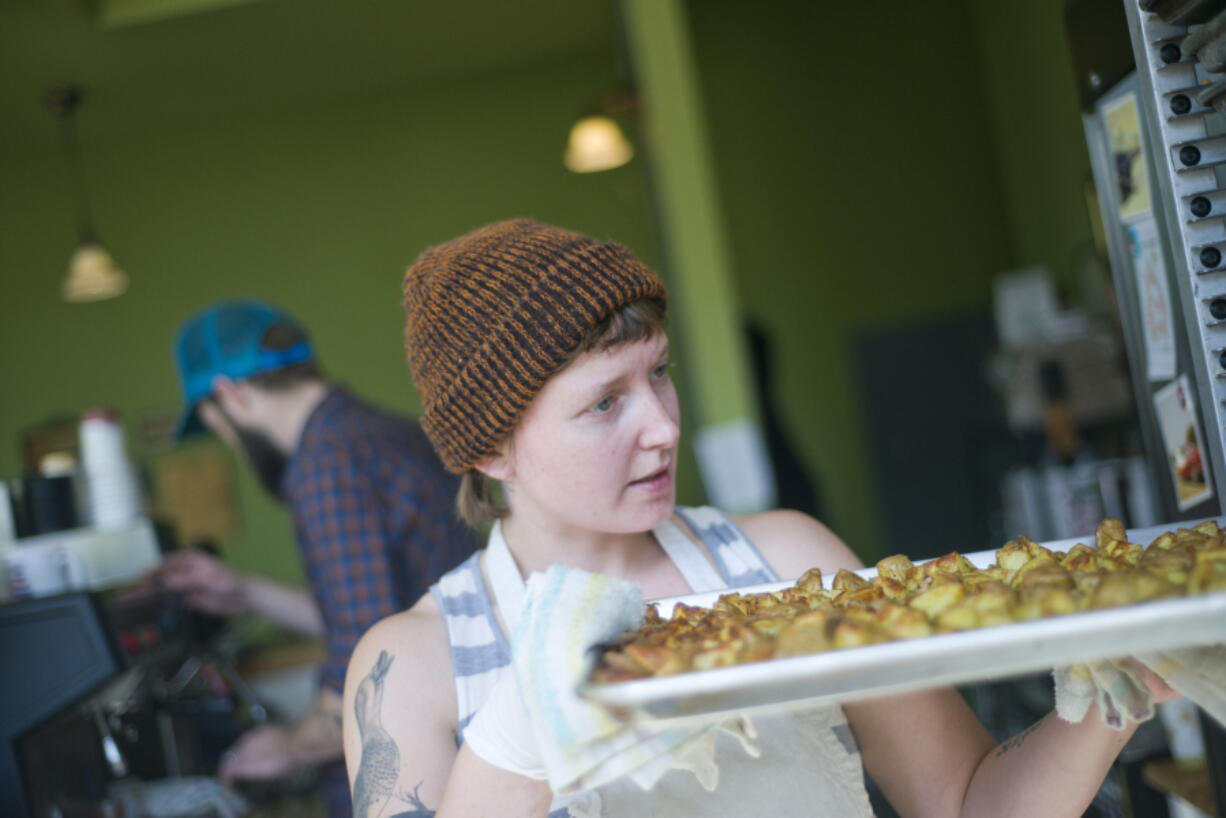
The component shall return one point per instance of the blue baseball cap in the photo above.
(227, 338)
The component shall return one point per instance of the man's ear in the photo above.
(234, 396)
(497, 465)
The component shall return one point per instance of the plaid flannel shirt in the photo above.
(374, 512)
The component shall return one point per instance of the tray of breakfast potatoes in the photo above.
(900, 627)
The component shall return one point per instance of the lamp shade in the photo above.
(93, 275)
(596, 143)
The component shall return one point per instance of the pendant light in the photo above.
(92, 274)
(596, 141)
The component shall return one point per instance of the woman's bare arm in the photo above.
(399, 715)
(927, 750)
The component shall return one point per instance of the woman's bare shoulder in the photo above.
(418, 639)
(793, 542)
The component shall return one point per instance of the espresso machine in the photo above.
(98, 688)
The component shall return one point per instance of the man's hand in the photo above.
(207, 583)
(261, 753)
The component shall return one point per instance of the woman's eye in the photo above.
(604, 404)
(661, 371)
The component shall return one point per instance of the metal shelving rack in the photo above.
(1189, 157)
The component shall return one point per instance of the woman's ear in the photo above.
(497, 465)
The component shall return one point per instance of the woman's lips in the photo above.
(654, 483)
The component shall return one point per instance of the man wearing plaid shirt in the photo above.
(373, 511)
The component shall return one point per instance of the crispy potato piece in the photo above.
(810, 580)
(657, 659)
(1124, 551)
(1108, 530)
(951, 563)
(1209, 528)
(938, 598)
(1079, 558)
(895, 568)
(1013, 555)
(960, 617)
(845, 580)
(805, 634)
(1127, 587)
(902, 622)
(1164, 540)
(850, 633)
(892, 589)
(1209, 573)
(1042, 572)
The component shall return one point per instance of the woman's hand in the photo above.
(1160, 690)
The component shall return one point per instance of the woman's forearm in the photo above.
(478, 789)
(1052, 768)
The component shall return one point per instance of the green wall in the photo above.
(875, 167)
(318, 210)
(859, 180)
(1036, 125)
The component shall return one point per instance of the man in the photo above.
(372, 506)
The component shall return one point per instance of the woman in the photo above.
(542, 360)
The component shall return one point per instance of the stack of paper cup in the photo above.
(110, 482)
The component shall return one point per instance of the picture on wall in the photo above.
(1183, 443)
(1127, 156)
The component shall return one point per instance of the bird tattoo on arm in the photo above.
(380, 763)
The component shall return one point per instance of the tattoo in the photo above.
(380, 764)
(420, 810)
(1019, 739)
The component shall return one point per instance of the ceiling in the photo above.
(172, 63)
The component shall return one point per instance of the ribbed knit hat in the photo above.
(491, 315)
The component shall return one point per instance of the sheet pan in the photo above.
(899, 667)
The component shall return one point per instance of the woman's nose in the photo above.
(660, 427)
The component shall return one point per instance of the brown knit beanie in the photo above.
(491, 315)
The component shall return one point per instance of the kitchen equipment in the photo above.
(50, 503)
(110, 688)
(112, 491)
(80, 558)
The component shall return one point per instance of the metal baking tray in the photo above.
(898, 667)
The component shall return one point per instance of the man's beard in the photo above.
(266, 460)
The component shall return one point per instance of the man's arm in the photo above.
(291, 608)
(273, 750)
(210, 585)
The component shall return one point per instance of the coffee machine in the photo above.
(99, 687)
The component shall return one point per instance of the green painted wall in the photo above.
(1036, 125)
(319, 210)
(858, 177)
(874, 168)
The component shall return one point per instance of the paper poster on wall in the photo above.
(1154, 295)
(1127, 156)
(1183, 443)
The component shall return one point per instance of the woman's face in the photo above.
(597, 447)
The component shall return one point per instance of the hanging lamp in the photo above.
(596, 141)
(92, 274)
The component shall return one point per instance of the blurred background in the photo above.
(875, 167)
(878, 223)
